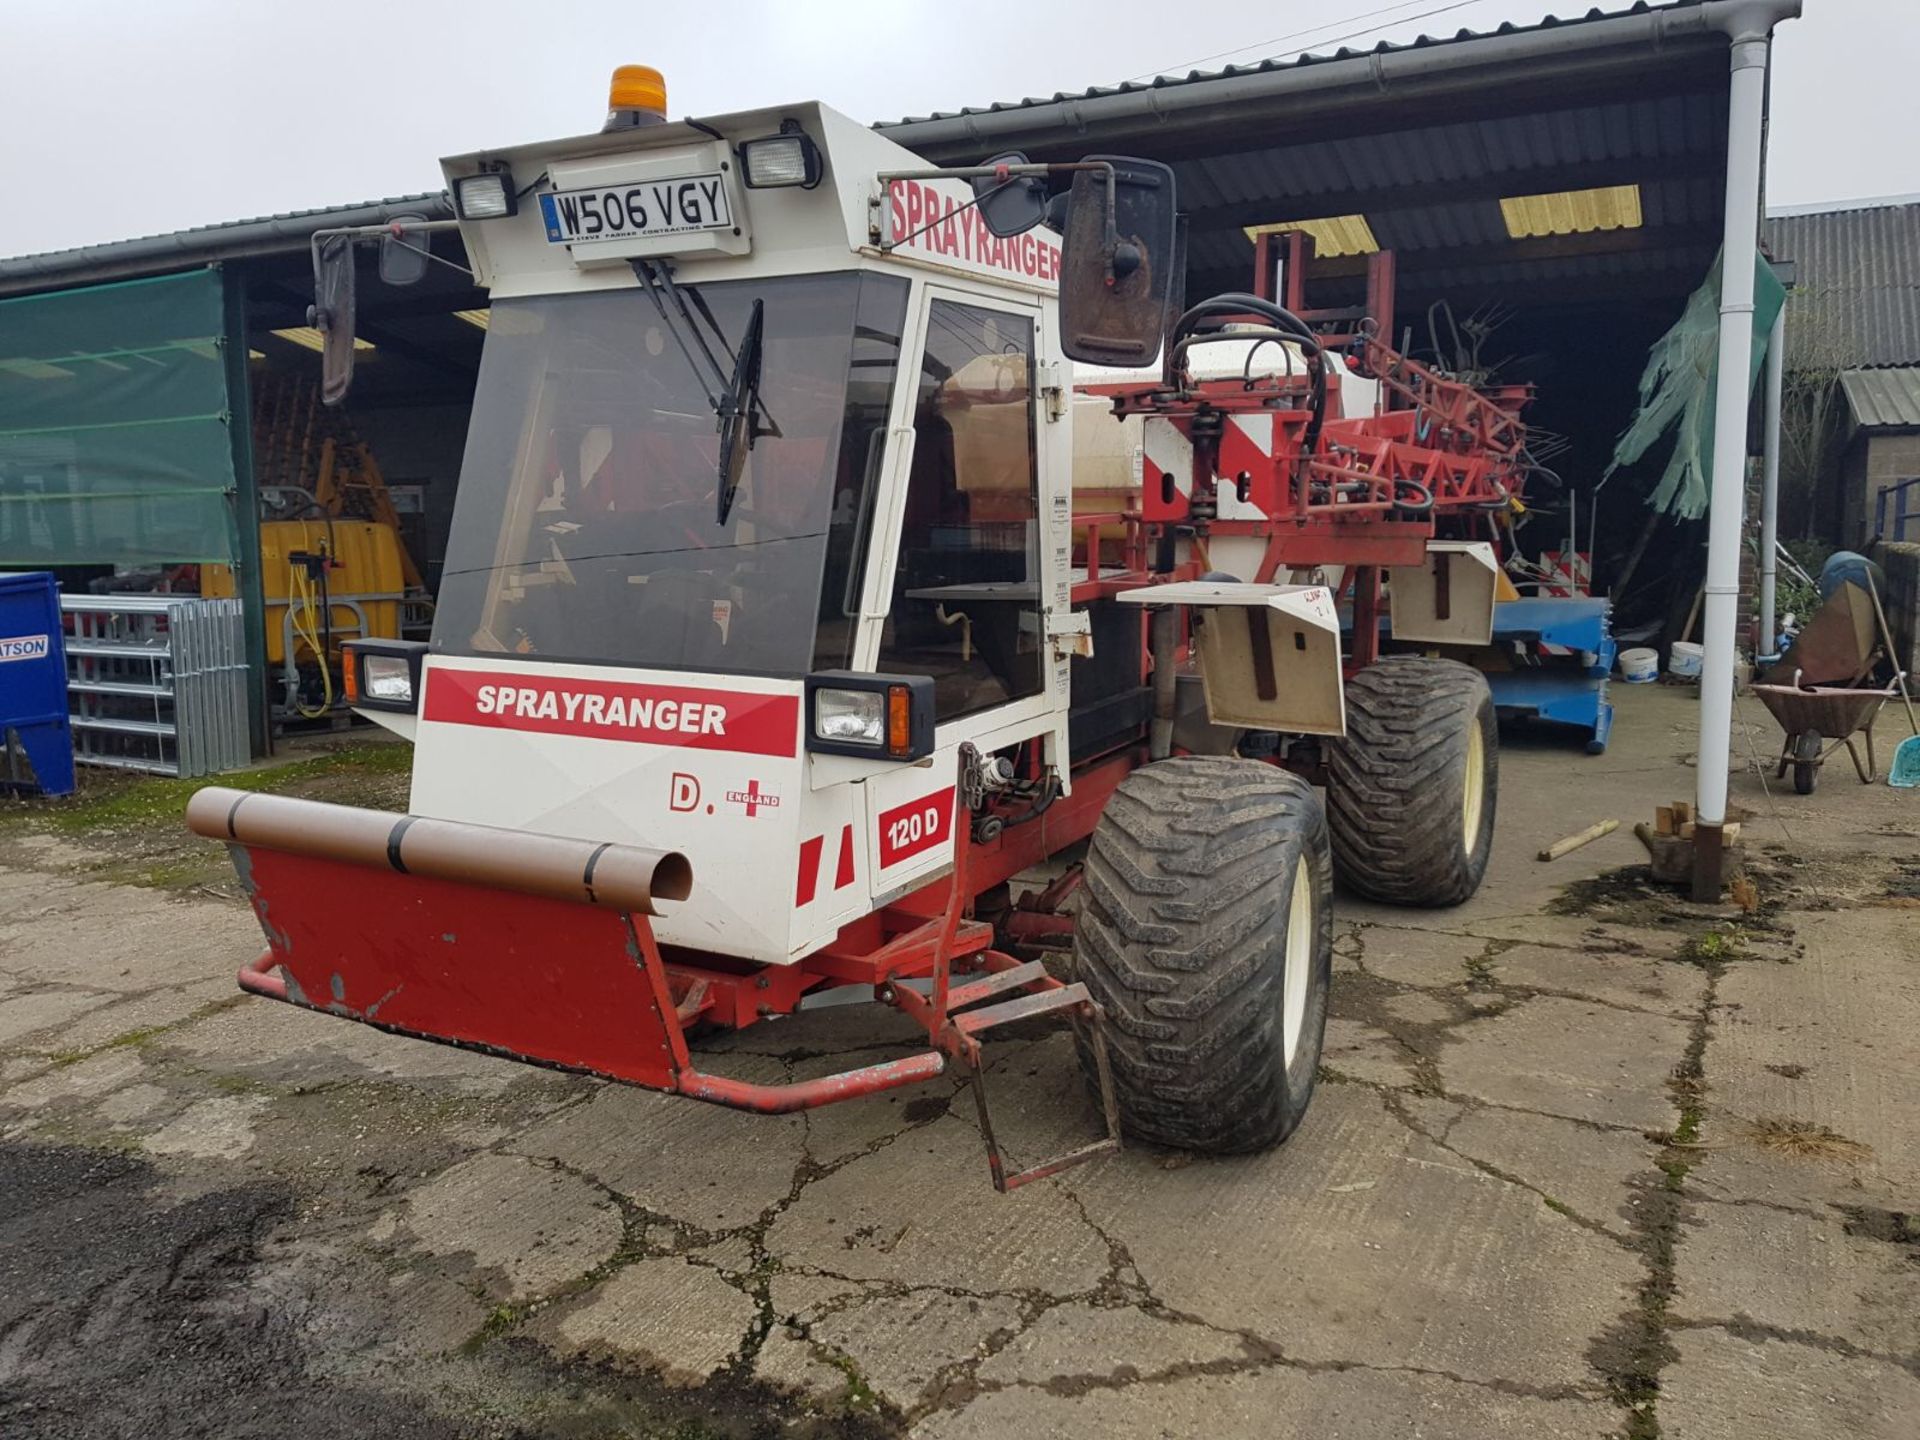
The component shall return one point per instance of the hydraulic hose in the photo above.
(1220, 307)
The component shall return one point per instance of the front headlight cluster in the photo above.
(884, 717)
(384, 674)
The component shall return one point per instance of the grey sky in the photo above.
(129, 117)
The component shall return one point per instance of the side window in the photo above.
(966, 595)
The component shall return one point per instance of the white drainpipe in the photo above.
(1747, 24)
(1769, 646)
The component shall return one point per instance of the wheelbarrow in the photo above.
(1818, 720)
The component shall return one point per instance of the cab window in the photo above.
(966, 597)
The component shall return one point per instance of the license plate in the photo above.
(622, 212)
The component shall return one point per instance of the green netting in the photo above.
(1676, 390)
(114, 446)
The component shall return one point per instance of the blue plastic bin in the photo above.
(33, 679)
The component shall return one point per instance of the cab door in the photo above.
(968, 554)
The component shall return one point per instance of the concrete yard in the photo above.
(1586, 1161)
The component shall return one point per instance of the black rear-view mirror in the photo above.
(403, 252)
(1012, 206)
(332, 314)
(1117, 261)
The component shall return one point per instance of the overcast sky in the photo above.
(130, 117)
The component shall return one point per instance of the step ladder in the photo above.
(1032, 993)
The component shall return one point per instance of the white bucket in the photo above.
(1684, 660)
(1638, 667)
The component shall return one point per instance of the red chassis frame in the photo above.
(586, 988)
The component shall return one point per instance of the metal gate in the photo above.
(157, 682)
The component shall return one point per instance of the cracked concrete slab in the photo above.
(1725, 1387)
(1405, 956)
(287, 1045)
(1828, 1040)
(1080, 1347)
(900, 1344)
(134, 1103)
(1356, 1050)
(84, 1079)
(1412, 1262)
(907, 1213)
(524, 1228)
(1290, 1247)
(664, 1311)
(1571, 1058)
(42, 1010)
(218, 1129)
(151, 942)
(708, 1167)
(141, 1016)
(1596, 1174)
(1800, 1273)
(1635, 982)
(788, 1361)
(1278, 1403)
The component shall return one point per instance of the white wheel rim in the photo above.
(1301, 929)
(1474, 796)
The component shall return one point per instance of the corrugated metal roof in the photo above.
(1858, 282)
(1291, 62)
(1883, 399)
(209, 231)
(1428, 171)
(204, 244)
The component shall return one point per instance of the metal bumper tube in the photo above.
(616, 877)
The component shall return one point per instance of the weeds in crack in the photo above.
(1635, 1352)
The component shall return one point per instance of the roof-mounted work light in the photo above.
(775, 161)
(485, 197)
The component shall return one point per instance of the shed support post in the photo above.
(1748, 24)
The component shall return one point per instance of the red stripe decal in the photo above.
(689, 717)
(809, 870)
(843, 874)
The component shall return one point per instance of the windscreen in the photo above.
(590, 523)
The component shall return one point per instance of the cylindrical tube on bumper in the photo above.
(620, 877)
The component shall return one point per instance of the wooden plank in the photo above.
(1574, 842)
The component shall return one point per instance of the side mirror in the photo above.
(403, 257)
(1117, 263)
(332, 314)
(1012, 206)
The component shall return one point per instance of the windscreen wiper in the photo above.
(735, 411)
(732, 392)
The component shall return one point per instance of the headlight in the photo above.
(880, 717)
(858, 716)
(485, 197)
(773, 161)
(384, 674)
(387, 677)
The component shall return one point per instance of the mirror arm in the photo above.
(394, 232)
(1006, 174)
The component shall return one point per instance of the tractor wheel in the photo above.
(1207, 938)
(1412, 784)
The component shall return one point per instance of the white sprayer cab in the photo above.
(631, 606)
